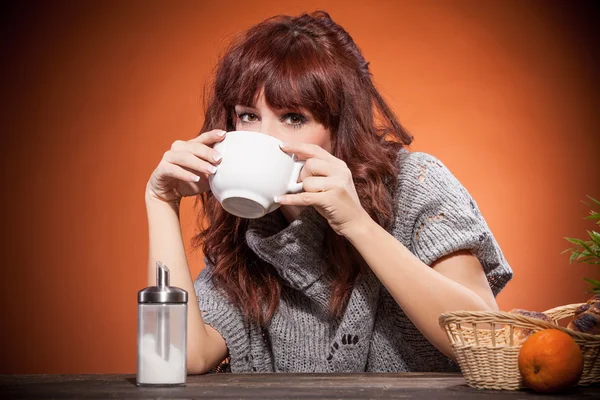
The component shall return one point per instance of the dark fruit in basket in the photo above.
(520, 334)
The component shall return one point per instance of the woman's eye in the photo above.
(248, 117)
(294, 119)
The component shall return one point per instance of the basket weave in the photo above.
(487, 352)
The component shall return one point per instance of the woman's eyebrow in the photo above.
(245, 107)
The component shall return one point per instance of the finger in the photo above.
(304, 151)
(322, 184)
(210, 137)
(177, 172)
(318, 167)
(188, 160)
(200, 150)
(302, 199)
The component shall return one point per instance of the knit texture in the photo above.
(434, 216)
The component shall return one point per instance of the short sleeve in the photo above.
(444, 218)
(219, 313)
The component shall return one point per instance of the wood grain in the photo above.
(263, 386)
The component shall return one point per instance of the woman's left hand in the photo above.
(328, 186)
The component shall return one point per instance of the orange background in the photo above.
(504, 92)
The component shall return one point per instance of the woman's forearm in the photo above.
(166, 245)
(422, 293)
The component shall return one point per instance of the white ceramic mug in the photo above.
(252, 172)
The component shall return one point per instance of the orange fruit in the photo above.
(550, 361)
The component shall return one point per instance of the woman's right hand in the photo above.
(185, 168)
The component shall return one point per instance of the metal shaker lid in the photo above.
(162, 292)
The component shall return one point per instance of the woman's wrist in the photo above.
(359, 229)
(153, 201)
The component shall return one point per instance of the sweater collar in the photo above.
(283, 245)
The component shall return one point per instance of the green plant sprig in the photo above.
(587, 251)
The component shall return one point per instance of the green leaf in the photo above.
(574, 240)
(584, 253)
(589, 260)
(592, 281)
(587, 248)
(594, 200)
(573, 257)
(595, 236)
(587, 251)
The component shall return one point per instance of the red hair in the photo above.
(305, 62)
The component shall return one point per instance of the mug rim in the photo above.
(255, 132)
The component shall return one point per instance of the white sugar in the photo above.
(153, 369)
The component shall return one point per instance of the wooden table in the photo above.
(265, 386)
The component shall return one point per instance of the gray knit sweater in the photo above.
(434, 216)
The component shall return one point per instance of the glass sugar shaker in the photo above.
(162, 332)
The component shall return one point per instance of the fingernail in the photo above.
(213, 169)
(217, 157)
(222, 133)
(195, 178)
(283, 145)
(276, 199)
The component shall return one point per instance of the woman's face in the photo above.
(293, 126)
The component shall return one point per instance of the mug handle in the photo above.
(294, 186)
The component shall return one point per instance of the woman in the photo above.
(352, 273)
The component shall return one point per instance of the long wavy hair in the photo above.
(306, 62)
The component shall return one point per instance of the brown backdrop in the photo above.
(504, 92)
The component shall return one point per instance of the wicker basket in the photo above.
(486, 351)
